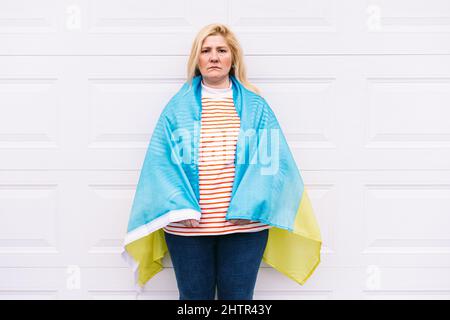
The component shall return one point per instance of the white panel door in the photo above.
(361, 89)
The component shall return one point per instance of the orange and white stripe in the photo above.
(219, 131)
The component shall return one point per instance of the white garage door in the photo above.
(361, 89)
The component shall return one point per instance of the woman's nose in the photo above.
(214, 56)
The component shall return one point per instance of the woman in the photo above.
(214, 251)
(203, 201)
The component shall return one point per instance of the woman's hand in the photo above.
(190, 223)
(240, 221)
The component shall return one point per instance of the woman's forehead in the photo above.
(215, 41)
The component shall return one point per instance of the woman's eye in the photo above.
(221, 50)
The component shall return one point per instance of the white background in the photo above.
(361, 89)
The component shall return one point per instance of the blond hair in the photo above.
(238, 66)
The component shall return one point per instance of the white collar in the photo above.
(216, 90)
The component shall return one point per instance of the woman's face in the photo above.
(215, 59)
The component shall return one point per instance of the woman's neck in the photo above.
(222, 85)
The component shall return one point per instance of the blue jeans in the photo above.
(229, 261)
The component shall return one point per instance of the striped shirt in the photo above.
(219, 131)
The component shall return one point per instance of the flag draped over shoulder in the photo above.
(267, 187)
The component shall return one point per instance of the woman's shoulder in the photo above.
(258, 102)
(176, 100)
